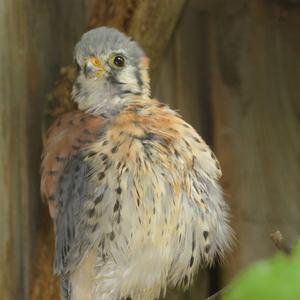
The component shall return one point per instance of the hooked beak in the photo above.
(94, 68)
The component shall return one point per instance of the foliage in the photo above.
(275, 279)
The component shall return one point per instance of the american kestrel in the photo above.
(132, 188)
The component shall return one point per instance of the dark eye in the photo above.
(119, 61)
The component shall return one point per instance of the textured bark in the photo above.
(34, 40)
(255, 50)
(44, 286)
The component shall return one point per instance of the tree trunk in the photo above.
(255, 50)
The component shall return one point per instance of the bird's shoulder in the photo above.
(67, 136)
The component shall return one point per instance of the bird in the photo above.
(132, 188)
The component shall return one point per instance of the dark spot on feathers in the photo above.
(119, 190)
(107, 166)
(86, 131)
(191, 261)
(207, 248)
(69, 232)
(98, 199)
(77, 168)
(185, 280)
(205, 234)
(119, 218)
(104, 157)
(91, 154)
(94, 227)
(193, 161)
(193, 242)
(104, 143)
(91, 212)
(114, 149)
(60, 158)
(197, 140)
(131, 92)
(82, 119)
(75, 147)
(138, 201)
(101, 175)
(51, 198)
(116, 206)
(53, 173)
(112, 236)
(188, 145)
(81, 141)
(149, 136)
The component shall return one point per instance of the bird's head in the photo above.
(111, 68)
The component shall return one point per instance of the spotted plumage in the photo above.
(132, 188)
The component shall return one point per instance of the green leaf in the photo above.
(275, 279)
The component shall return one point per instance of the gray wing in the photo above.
(71, 193)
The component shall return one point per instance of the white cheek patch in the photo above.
(129, 75)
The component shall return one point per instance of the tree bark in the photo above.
(255, 50)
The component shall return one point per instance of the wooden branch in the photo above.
(280, 243)
(217, 295)
(246, 107)
(44, 285)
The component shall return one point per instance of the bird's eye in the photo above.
(117, 61)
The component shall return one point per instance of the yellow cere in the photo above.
(95, 61)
